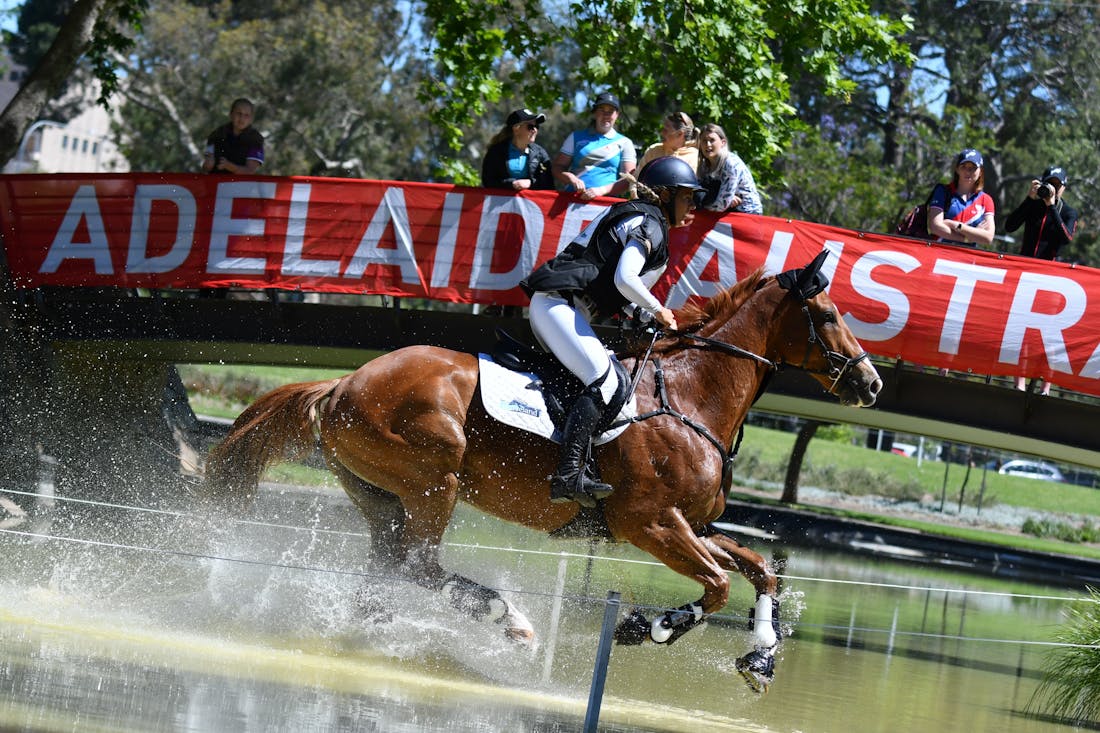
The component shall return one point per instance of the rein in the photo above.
(839, 365)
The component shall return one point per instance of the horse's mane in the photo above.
(718, 309)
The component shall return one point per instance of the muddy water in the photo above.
(115, 620)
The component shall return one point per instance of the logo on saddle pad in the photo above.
(514, 405)
(515, 398)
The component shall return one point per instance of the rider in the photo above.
(610, 265)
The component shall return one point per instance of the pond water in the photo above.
(118, 620)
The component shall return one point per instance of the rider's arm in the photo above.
(628, 277)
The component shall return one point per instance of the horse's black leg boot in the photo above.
(570, 483)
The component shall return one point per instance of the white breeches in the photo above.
(566, 333)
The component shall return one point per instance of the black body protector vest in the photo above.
(587, 265)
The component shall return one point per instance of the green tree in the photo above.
(1018, 81)
(92, 30)
(334, 86)
(727, 61)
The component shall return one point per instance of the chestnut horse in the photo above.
(407, 437)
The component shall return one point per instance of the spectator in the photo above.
(236, 146)
(679, 137)
(961, 212)
(1049, 224)
(592, 161)
(514, 160)
(728, 182)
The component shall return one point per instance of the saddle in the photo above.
(560, 387)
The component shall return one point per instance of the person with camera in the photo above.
(1049, 224)
(1048, 221)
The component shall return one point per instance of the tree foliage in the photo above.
(333, 84)
(726, 61)
(1017, 81)
(89, 29)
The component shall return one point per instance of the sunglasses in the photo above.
(532, 127)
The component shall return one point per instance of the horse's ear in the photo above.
(808, 281)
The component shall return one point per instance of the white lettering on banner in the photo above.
(84, 206)
(448, 238)
(293, 261)
(225, 226)
(828, 269)
(1049, 325)
(967, 276)
(896, 302)
(481, 276)
(392, 209)
(137, 259)
(776, 261)
(579, 219)
(1091, 369)
(716, 245)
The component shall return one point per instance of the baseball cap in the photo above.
(969, 155)
(525, 115)
(1056, 172)
(607, 98)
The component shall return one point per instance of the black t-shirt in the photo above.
(237, 149)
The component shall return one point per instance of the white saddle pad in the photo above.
(515, 398)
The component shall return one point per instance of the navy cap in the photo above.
(970, 155)
(1056, 172)
(525, 115)
(607, 98)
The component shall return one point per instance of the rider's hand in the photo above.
(666, 318)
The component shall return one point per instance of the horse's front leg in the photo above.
(758, 666)
(672, 541)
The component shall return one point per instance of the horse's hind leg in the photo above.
(426, 517)
(384, 514)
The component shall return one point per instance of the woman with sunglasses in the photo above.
(514, 160)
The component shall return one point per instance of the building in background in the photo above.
(81, 145)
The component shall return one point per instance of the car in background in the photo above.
(1032, 469)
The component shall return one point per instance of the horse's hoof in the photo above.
(757, 668)
(521, 636)
(632, 630)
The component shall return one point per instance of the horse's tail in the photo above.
(278, 426)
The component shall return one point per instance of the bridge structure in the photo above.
(105, 325)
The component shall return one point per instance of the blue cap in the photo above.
(1056, 172)
(607, 98)
(970, 155)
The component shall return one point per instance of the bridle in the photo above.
(838, 369)
(839, 364)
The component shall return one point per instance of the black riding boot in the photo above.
(570, 482)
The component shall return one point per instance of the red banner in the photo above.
(937, 305)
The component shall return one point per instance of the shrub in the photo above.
(1070, 688)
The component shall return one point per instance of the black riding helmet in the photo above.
(669, 172)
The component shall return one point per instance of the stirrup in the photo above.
(587, 493)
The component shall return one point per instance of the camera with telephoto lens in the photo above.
(1045, 190)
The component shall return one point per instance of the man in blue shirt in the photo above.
(591, 161)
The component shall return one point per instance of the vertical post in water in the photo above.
(603, 654)
(555, 619)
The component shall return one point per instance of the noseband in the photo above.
(839, 364)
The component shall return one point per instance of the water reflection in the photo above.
(176, 637)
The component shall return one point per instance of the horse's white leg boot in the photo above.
(485, 604)
(763, 628)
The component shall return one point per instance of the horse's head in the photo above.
(814, 338)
